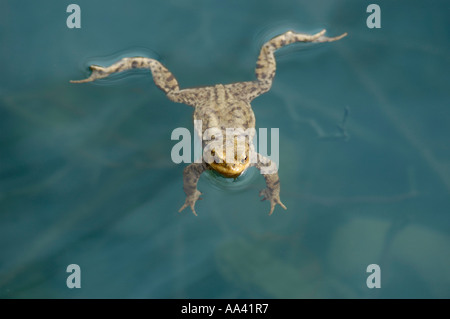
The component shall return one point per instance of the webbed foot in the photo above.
(98, 72)
(320, 37)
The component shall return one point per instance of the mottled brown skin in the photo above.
(221, 106)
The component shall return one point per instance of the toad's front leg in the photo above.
(272, 191)
(191, 175)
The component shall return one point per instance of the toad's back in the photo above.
(223, 109)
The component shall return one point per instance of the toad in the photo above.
(221, 107)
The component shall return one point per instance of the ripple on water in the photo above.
(246, 179)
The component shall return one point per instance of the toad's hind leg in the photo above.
(266, 64)
(163, 78)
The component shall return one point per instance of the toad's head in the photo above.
(229, 160)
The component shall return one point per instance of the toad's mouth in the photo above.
(229, 170)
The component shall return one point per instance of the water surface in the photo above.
(86, 175)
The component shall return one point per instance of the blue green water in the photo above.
(86, 175)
